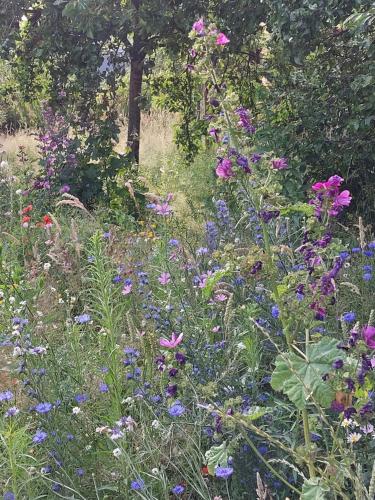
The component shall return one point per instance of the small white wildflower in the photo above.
(73, 299)
(155, 424)
(354, 437)
(17, 351)
(47, 266)
(76, 410)
(40, 314)
(61, 301)
(346, 422)
(23, 303)
(127, 400)
(88, 447)
(117, 452)
(19, 192)
(12, 300)
(155, 471)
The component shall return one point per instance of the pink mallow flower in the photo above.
(224, 169)
(279, 163)
(173, 342)
(198, 26)
(127, 289)
(164, 278)
(368, 334)
(163, 209)
(221, 39)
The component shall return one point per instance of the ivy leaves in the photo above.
(300, 378)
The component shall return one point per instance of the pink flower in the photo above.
(163, 208)
(198, 26)
(127, 289)
(164, 278)
(279, 163)
(333, 182)
(368, 334)
(220, 297)
(221, 39)
(174, 342)
(224, 169)
(216, 329)
(343, 199)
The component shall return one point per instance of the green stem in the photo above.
(306, 431)
(267, 464)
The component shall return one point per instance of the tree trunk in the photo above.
(135, 92)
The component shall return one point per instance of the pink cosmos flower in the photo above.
(164, 278)
(173, 342)
(221, 39)
(198, 26)
(279, 163)
(224, 169)
(127, 289)
(368, 334)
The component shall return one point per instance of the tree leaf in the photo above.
(301, 378)
(216, 455)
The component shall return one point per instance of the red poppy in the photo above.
(26, 219)
(26, 210)
(47, 220)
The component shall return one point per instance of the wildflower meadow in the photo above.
(197, 323)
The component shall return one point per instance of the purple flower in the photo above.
(43, 408)
(39, 436)
(368, 334)
(223, 472)
(279, 163)
(103, 387)
(224, 168)
(164, 278)
(275, 311)
(80, 472)
(12, 412)
(64, 189)
(176, 410)
(338, 364)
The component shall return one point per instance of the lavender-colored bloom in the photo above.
(6, 396)
(255, 157)
(80, 472)
(367, 277)
(173, 243)
(315, 437)
(43, 408)
(211, 235)
(39, 437)
(223, 472)
(176, 410)
(107, 235)
(82, 318)
(222, 213)
(103, 387)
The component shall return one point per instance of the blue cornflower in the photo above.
(138, 484)
(107, 234)
(173, 243)
(367, 268)
(356, 250)
(80, 472)
(367, 277)
(39, 436)
(8, 495)
(82, 318)
(223, 472)
(349, 317)
(103, 387)
(6, 396)
(178, 489)
(43, 407)
(81, 398)
(275, 311)
(368, 253)
(315, 437)
(176, 410)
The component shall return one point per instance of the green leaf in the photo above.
(255, 413)
(313, 489)
(212, 281)
(216, 455)
(303, 208)
(301, 378)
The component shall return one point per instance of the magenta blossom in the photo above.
(198, 26)
(224, 169)
(279, 163)
(163, 209)
(164, 278)
(368, 334)
(221, 39)
(173, 342)
(333, 182)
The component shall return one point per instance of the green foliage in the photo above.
(300, 376)
(314, 489)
